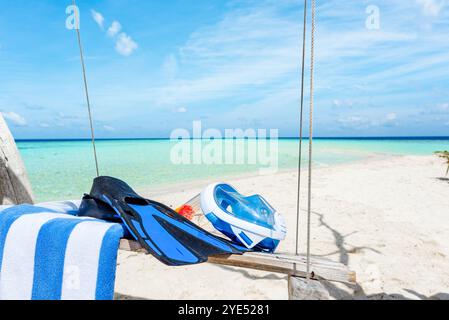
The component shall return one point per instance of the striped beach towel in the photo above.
(48, 253)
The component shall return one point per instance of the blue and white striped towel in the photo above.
(47, 253)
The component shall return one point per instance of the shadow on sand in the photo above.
(358, 293)
(340, 242)
(443, 179)
(343, 251)
(246, 274)
(120, 296)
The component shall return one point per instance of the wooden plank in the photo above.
(15, 187)
(286, 264)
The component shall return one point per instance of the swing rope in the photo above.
(86, 90)
(301, 120)
(298, 209)
(309, 196)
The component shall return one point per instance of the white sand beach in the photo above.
(386, 217)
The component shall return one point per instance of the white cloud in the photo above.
(432, 8)
(336, 103)
(181, 110)
(246, 50)
(98, 17)
(114, 29)
(389, 121)
(438, 109)
(391, 116)
(343, 103)
(44, 125)
(125, 45)
(108, 128)
(253, 53)
(15, 118)
(443, 107)
(368, 121)
(353, 121)
(170, 66)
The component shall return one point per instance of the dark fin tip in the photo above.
(136, 201)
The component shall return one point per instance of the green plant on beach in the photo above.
(444, 155)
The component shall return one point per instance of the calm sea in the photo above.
(64, 169)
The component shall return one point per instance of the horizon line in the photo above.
(246, 138)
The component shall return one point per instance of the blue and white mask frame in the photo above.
(250, 221)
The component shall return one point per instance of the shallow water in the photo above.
(64, 169)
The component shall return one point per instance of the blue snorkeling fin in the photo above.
(164, 233)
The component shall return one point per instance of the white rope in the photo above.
(86, 88)
(309, 196)
(301, 126)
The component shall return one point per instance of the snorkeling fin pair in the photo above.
(164, 233)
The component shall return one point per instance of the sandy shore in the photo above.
(387, 218)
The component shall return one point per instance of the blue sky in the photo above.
(154, 66)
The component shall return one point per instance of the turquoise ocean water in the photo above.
(64, 169)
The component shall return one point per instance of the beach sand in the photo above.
(387, 218)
